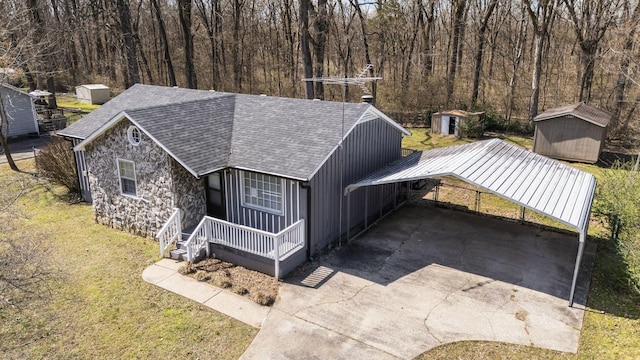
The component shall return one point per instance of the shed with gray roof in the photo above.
(574, 132)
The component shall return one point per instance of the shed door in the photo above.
(444, 125)
(215, 196)
(453, 122)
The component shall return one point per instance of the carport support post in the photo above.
(348, 217)
(577, 269)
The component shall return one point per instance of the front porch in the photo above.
(272, 253)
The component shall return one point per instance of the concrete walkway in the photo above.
(165, 274)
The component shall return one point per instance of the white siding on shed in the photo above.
(20, 111)
(93, 93)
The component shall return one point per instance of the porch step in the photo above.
(178, 254)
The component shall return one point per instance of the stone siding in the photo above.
(190, 194)
(146, 213)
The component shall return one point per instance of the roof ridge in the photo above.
(182, 102)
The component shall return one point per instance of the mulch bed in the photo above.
(259, 287)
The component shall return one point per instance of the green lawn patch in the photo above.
(100, 307)
(70, 103)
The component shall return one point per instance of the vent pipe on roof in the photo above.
(367, 99)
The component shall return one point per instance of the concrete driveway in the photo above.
(424, 277)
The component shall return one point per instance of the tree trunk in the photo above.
(184, 12)
(304, 44)
(320, 25)
(165, 44)
(133, 76)
(541, 27)
(4, 131)
(520, 44)
(480, 50)
(235, 50)
(458, 23)
(426, 19)
(621, 84)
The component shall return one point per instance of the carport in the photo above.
(532, 181)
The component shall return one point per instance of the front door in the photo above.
(215, 196)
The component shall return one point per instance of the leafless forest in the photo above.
(510, 58)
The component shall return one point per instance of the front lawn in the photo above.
(99, 306)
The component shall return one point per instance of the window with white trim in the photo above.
(134, 136)
(263, 192)
(127, 172)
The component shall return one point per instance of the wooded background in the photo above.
(508, 57)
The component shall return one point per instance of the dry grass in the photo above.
(259, 287)
(101, 307)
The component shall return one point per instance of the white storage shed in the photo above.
(93, 93)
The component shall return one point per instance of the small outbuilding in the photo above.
(93, 93)
(20, 111)
(574, 132)
(452, 122)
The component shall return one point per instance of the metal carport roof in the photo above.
(536, 182)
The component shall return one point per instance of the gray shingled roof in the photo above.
(288, 136)
(579, 110)
(189, 134)
(206, 131)
(136, 97)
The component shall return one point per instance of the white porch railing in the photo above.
(170, 232)
(263, 243)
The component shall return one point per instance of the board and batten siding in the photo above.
(294, 199)
(569, 138)
(81, 169)
(370, 146)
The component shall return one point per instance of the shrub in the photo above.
(470, 128)
(55, 163)
(617, 200)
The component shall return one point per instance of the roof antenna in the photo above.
(359, 80)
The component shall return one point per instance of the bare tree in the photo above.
(625, 61)
(517, 49)
(4, 129)
(591, 20)
(132, 77)
(541, 18)
(184, 10)
(165, 44)
(320, 25)
(25, 268)
(304, 45)
(458, 11)
(488, 12)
